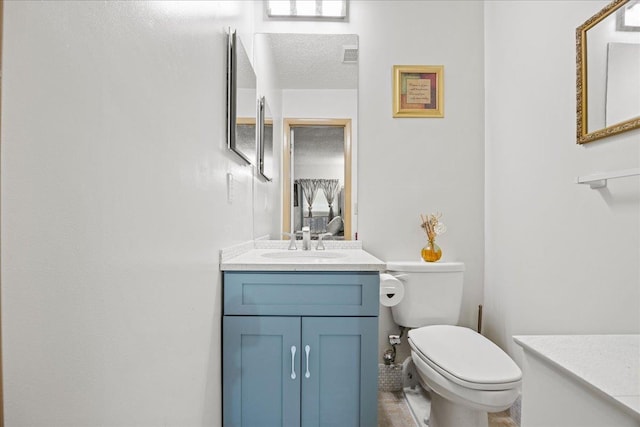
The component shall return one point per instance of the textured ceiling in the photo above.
(313, 61)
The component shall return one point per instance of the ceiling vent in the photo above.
(349, 54)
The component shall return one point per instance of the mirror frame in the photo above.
(582, 133)
(232, 94)
(262, 123)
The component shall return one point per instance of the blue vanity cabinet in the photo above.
(286, 368)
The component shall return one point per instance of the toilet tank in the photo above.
(432, 292)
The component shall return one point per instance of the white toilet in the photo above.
(467, 375)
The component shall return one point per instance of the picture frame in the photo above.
(418, 91)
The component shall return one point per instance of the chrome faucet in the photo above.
(292, 240)
(320, 246)
(306, 238)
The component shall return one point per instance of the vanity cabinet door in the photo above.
(339, 381)
(260, 375)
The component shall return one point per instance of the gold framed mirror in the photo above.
(607, 70)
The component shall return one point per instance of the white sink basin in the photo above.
(274, 256)
(303, 254)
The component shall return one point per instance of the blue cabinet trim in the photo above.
(297, 293)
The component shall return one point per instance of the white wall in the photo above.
(410, 166)
(114, 207)
(560, 257)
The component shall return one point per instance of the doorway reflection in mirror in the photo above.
(318, 173)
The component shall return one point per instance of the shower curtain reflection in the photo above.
(330, 188)
(309, 191)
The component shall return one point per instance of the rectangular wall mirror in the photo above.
(241, 100)
(316, 76)
(265, 140)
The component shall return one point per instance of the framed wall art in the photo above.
(418, 91)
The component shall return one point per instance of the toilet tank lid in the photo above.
(423, 266)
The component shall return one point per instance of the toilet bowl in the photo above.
(470, 374)
(467, 375)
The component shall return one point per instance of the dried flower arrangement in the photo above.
(432, 225)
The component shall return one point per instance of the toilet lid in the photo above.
(465, 357)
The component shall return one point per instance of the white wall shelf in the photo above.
(599, 180)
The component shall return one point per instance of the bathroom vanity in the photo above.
(300, 331)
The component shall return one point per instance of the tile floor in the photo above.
(394, 412)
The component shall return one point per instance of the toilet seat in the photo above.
(483, 400)
(465, 357)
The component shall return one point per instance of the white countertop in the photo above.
(610, 364)
(273, 255)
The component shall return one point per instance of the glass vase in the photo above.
(431, 252)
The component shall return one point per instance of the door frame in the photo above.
(1, 357)
(287, 183)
